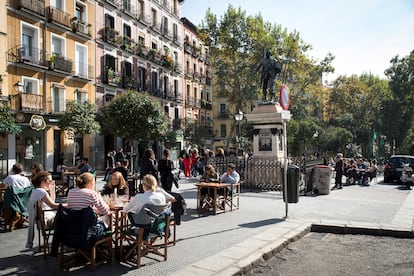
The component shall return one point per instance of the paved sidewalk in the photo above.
(226, 244)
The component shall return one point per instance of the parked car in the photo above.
(395, 165)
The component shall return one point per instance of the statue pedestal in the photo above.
(267, 120)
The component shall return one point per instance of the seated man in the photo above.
(407, 178)
(229, 177)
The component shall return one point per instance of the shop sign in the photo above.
(37, 122)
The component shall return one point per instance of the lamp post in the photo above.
(238, 117)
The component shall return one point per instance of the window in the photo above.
(166, 86)
(153, 17)
(175, 88)
(223, 131)
(126, 5)
(58, 98)
(59, 4)
(176, 113)
(57, 46)
(165, 25)
(175, 32)
(223, 110)
(30, 41)
(80, 12)
(154, 81)
(30, 86)
(109, 21)
(188, 91)
(141, 78)
(81, 95)
(127, 31)
(81, 61)
(208, 99)
(141, 9)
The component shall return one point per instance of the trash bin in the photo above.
(292, 184)
(322, 178)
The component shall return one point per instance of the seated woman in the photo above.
(117, 183)
(45, 193)
(210, 175)
(150, 195)
(85, 196)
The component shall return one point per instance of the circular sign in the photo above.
(284, 97)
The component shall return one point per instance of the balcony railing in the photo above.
(223, 115)
(191, 101)
(55, 15)
(129, 82)
(176, 39)
(83, 70)
(81, 27)
(24, 54)
(60, 63)
(27, 101)
(143, 19)
(36, 6)
(111, 35)
(207, 105)
(109, 76)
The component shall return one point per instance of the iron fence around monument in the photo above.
(258, 174)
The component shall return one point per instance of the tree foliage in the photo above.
(134, 116)
(237, 43)
(80, 118)
(7, 123)
(398, 108)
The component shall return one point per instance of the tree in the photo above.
(79, 119)
(134, 116)
(7, 124)
(399, 104)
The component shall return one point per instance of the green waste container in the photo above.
(292, 184)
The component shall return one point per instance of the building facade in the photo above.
(49, 61)
(76, 50)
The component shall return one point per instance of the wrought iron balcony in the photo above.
(60, 63)
(55, 15)
(24, 54)
(81, 27)
(36, 6)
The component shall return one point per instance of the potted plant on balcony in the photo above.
(51, 62)
(113, 77)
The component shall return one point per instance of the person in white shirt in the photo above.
(150, 195)
(230, 176)
(17, 179)
(45, 193)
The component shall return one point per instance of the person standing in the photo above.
(339, 170)
(165, 167)
(119, 156)
(110, 164)
(148, 166)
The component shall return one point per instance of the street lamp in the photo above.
(19, 87)
(238, 117)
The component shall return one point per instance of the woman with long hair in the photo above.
(117, 183)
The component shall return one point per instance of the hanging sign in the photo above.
(284, 97)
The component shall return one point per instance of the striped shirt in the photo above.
(82, 198)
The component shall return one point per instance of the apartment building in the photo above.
(49, 61)
(139, 48)
(197, 77)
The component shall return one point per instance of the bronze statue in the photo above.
(270, 68)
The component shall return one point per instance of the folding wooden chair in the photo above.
(77, 229)
(44, 230)
(144, 233)
(233, 196)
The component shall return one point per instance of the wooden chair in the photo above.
(233, 196)
(76, 229)
(144, 233)
(44, 230)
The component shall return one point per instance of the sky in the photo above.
(363, 35)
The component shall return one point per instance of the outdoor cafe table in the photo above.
(212, 188)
